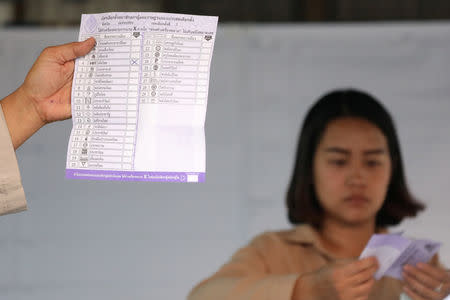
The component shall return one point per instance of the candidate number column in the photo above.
(81, 99)
(109, 101)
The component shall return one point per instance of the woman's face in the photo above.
(352, 170)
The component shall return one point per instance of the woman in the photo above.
(348, 183)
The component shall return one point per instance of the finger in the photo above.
(70, 51)
(363, 276)
(422, 276)
(435, 272)
(412, 294)
(419, 288)
(360, 265)
(364, 289)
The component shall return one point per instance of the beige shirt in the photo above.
(12, 195)
(267, 269)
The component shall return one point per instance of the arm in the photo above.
(246, 277)
(12, 196)
(44, 97)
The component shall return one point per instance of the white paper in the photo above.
(139, 98)
(393, 251)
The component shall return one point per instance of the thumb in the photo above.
(84, 47)
(70, 51)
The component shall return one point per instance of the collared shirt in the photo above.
(12, 195)
(268, 268)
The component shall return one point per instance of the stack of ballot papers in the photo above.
(139, 98)
(393, 251)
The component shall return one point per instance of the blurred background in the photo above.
(272, 60)
(67, 12)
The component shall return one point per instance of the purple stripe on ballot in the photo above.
(392, 240)
(135, 175)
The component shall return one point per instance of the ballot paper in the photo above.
(139, 98)
(393, 251)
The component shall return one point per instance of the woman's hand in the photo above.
(344, 281)
(425, 281)
(48, 84)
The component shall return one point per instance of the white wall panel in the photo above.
(109, 240)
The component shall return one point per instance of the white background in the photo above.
(110, 240)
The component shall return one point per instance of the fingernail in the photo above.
(407, 267)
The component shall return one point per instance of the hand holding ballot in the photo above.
(45, 95)
(48, 84)
(408, 260)
(425, 281)
(394, 251)
(347, 279)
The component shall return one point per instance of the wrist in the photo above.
(29, 107)
(21, 116)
